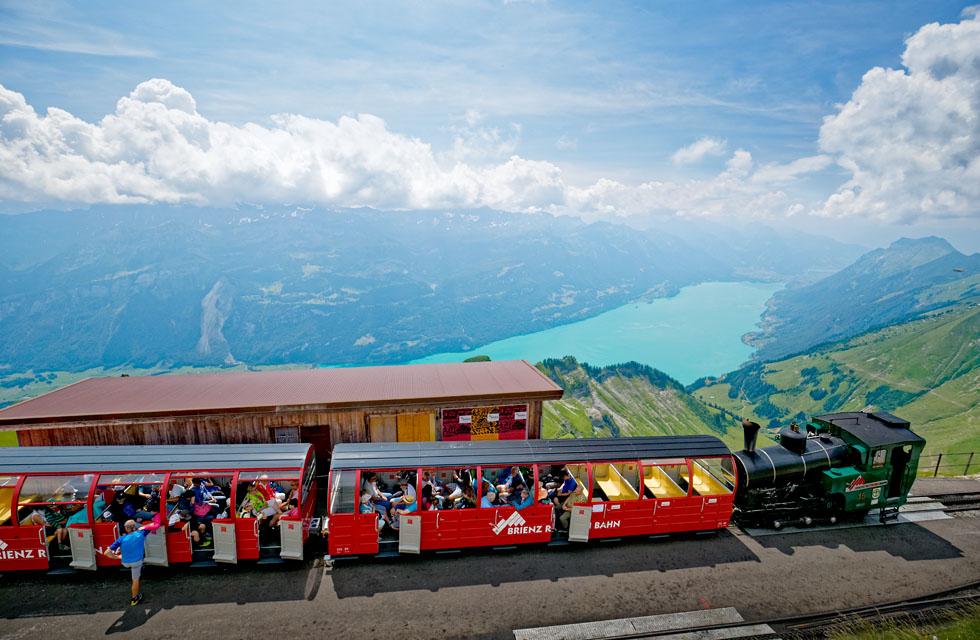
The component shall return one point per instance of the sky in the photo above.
(860, 120)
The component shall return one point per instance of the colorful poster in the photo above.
(456, 424)
(485, 423)
(482, 427)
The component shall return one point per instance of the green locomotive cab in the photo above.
(884, 459)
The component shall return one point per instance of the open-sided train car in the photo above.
(55, 502)
(634, 486)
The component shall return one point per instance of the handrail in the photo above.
(960, 463)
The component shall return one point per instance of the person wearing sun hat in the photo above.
(408, 506)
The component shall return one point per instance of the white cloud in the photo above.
(911, 139)
(156, 147)
(698, 150)
(565, 142)
(778, 173)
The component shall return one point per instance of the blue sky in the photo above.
(584, 94)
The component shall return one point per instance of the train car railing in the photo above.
(948, 464)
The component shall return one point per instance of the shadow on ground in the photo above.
(36, 594)
(359, 578)
(903, 540)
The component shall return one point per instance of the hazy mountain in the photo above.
(883, 286)
(142, 285)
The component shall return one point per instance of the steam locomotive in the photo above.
(840, 465)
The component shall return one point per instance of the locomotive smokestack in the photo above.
(751, 431)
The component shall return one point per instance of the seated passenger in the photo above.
(265, 508)
(502, 477)
(81, 515)
(513, 477)
(380, 500)
(577, 497)
(181, 519)
(293, 511)
(407, 491)
(364, 507)
(57, 519)
(524, 501)
(565, 490)
(176, 491)
(406, 507)
(116, 509)
(429, 501)
(467, 500)
(489, 500)
(514, 497)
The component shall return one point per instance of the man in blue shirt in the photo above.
(129, 549)
(566, 489)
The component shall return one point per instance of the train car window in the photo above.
(130, 496)
(266, 494)
(195, 491)
(450, 489)
(616, 481)
(580, 473)
(665, 478)
(708, 478)
(343, 492)
(55, 490)
(309, 475)
(509, 484)
(879, 459)
(7, 486)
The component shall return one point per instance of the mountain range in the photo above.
(883, 286)
(153, 286)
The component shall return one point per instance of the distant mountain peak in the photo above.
(933, 242)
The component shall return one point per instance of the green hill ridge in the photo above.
(628, 399)
(926, 370)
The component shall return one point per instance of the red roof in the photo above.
(118, 397)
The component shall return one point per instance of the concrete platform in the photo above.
(915, 512)
(659, 626)
(941, 486)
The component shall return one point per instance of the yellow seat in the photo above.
(6, 494)
(612, 483)
(660, 484)
(706, 484)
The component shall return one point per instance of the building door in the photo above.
(384, 429)
(319, 437)
(416, 427)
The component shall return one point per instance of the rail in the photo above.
(948, 464)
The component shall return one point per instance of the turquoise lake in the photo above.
(696, 333)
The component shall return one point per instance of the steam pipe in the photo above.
(751, 431)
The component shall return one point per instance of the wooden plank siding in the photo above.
(322, 428)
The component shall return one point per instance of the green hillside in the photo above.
(926, 370)
(884, 286)
(628, 400)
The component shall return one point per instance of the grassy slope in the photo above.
(628, 400)
(926, 371)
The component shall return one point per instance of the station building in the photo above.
(401, 403)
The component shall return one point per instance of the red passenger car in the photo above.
(631, 486)
(62, 506)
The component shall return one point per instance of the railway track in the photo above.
(933, 607)
(959, 501)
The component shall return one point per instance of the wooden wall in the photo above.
(321, 428)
